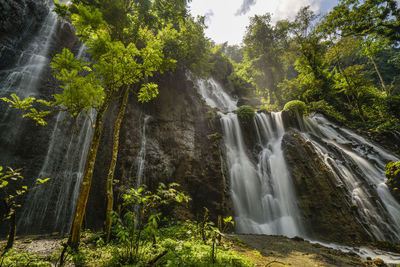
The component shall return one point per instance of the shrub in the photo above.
(324, 108)
(245, 113)
(295, 107)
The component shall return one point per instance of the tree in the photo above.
(314, 80)
(357, 17)
(370, 47)
(116, 65)
(262, 49)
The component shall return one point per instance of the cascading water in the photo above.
(358, 165)
(49, 207)
(214, 94)
(23, 79)
(262, 193)
(64, 164)
(141, 158)
(52, 205)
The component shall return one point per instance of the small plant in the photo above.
(141, 217)
(208, 231)
(10, 184)
(324, 108)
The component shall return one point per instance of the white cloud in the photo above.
(225, 26)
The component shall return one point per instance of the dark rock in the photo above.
(19, 20)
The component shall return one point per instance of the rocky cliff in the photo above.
(182, 145)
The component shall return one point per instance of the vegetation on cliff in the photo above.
(393, 178)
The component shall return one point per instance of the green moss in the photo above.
(393, 170)
(14, 258)
(295, 107)
(393, 177)
(379, 262)
(245, 113)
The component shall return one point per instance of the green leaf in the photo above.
(42, 181)
(3, 184)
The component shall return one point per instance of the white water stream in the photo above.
(359, 166)
(261, 190)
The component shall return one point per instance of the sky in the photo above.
(227, 19)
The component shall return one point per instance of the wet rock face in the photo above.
(182, 145)
(327, 213)
(19, 19)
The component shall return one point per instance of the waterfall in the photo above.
(52, 205)
(261, 191)
(141, 158)
(359, 166)
(214, 94)
(23, 79)
(49, 207)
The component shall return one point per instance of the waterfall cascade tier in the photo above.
(262, 191)
(141, 158)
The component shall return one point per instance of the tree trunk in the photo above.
(379, 75)
(11, 233)
(110, 176)
(76, 227)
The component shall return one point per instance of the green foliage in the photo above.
(26, 105)
(296, 107)
(147, 92)
(354, 17)
(324, 108)
(61, 9)
(14, 258)
(10, 184)
(393, 173)
(140, 219)
(245, 113)
(264, 46)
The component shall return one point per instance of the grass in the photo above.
(178, 245)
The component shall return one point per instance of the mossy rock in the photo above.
(246, 114)
(295, 107)
(393, 175)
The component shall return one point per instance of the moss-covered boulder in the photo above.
(295, 107)
(393, 175)
(245, 114)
